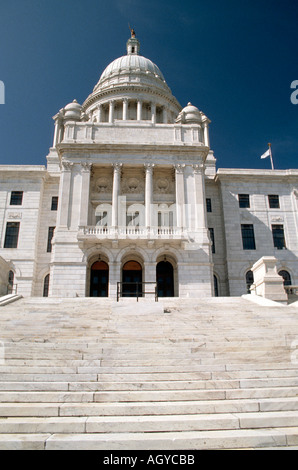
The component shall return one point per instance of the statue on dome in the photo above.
(132, 32)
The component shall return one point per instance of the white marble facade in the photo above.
(131, 194)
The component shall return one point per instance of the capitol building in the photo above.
(131, 202)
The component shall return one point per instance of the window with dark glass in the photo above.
(12, 235)
(211, 232)
(273, 201)
(208, 204)
(278, 237)
(16, 198)
(243, 201)
(248, 237)
(50, 236)
(54, 205)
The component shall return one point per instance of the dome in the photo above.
(189, 115)
(133, 77)
(72, 111)
(130, 64)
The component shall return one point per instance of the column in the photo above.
(116, 191)
(85, 178)
(111, 111)
(153, 113)
(200, 200)
(64, 193)
(148, 193)
(56, 133)
(139, 110)
(125, 109)
(99, 113)
(206, 133)
(180, 196)
(164, 115)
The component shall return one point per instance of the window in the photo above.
(248, 237)
(211, 232)
(208, 204)
(243, 201)
(278, 237)
(249, 278)
(46, 284)
(16, 198)
(50, 236)
(273, 201)
(54, 205)
(12, 235)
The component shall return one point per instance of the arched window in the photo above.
(249, 277)
(286, 277)
(46, 284)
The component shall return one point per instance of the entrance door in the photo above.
(132, 279)
(165, 279)
(99, 285)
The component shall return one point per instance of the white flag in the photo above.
(266, 154)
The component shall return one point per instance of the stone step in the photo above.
(141, 424)
(193, 440)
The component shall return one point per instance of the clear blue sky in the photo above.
(234, 60)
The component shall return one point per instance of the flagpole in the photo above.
(271, 156)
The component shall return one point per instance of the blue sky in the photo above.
(234, 60)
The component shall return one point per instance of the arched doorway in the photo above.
(286, 277)
(132, 279)
(249, 278)
(99, 282)
(165, 279)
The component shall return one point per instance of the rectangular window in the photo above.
(50, 236)
(248, 237)
(278, 237)
(211, 231)
(54, 205)
(16, 198)
(12, 235)
(273, 201)
(243, 201)
(208, 204)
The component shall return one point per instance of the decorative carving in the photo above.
(86, 166)
(198, 168)
(117, 167)
(179, 168)
(66, 165)
(132, 185)
(149, 167)
(14, 215)
(295, 192)
(103, 185)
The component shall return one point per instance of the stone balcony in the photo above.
(91, 233)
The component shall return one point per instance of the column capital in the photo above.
(66, 165)
(179, 168)
(198, 168)
(117, 167)
(149, 167)
(86, 166)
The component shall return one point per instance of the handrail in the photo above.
(139, 293)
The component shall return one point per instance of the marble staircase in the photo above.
(218, 373)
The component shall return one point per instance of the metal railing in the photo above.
(138, 290)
